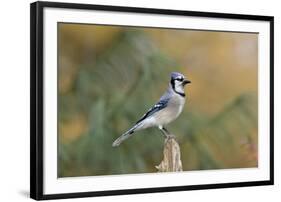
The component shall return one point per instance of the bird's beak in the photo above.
(186, 82)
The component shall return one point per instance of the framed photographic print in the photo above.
(136, 100)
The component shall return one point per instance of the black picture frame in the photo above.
(37, 98)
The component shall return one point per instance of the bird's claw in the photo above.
(170, 136)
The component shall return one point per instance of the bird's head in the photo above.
(178, 81)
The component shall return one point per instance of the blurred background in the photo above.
(109, 76)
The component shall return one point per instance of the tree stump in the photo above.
(172, 158)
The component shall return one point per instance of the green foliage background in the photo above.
(110, 75)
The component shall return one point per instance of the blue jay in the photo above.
(167, 109)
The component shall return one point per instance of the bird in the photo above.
(166, 110)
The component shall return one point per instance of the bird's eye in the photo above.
(179, 79)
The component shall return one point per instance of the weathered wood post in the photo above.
(172, 158)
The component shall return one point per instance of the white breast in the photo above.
(171, 112)
(179, 102)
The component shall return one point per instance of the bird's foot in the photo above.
(166, 133)
(170, 136)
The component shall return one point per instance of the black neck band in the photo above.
(181, 94)
(173, 87)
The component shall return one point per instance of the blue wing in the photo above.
(157, 107)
